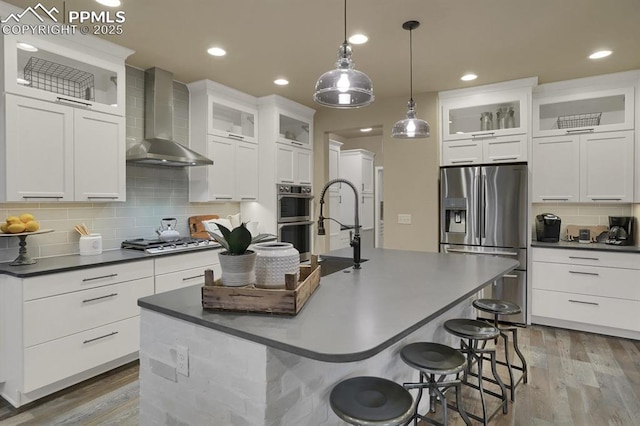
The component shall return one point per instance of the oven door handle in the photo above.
(306, 222)
(306, 196)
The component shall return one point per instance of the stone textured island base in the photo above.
(234, 381)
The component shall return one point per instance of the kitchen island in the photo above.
(265, 370)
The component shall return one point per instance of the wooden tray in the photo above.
(288, 301)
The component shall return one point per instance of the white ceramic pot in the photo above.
(237, 270)
(274, 260)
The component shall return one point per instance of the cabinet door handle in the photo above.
(297, 143)
(102, 197)
(580, 131)
(73, 101)
(53, 197)
(509, 276)
(234, 136)
(99, 278)
(461, 161)
(606, 199)
(504, 158)
(99, 298)
(584, 273)
(340, 200)
(223, 198)
(248, 198)
(286, 181)
(583, 258)
(113, 333)
(482, 135)
(555, 199)
(583, 302)
(192, 278)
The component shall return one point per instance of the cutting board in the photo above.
(196, 229)
(573, 231)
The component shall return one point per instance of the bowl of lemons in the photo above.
(26, 222)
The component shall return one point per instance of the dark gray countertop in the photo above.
(586, 246)
(52, 265)
(352, 316)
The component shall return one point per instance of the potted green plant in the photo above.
(237, 261)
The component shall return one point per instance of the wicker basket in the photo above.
(579, 120)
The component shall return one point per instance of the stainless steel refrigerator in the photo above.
(483, 211)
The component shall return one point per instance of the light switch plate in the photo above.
(404, 219)
(183, 360)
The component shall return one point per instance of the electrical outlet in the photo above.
(183, 360)
(404, 219)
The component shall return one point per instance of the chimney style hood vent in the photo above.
(158, 147)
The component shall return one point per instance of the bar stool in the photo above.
(371, 401)
(502, 307)
(434, 359)
(475, 331)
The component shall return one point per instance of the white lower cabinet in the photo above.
(184, 270)
(585, 289)
(59, 329)
(78, 142)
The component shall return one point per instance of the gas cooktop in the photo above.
(159, 247)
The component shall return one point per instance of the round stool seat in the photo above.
(471, 329)
(371, 401)
(496, 306)
(433, 358)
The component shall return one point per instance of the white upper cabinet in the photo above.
(487, 124)
(293, 165)
(587, 111)
(56, 69)
(289, 122)
(224, 126)
(556, 169)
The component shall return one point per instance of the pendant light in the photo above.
(411, 127)
(344, 87)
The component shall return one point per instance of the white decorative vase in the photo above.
(238, 270)
(274, 260)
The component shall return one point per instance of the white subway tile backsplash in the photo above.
(152, 193)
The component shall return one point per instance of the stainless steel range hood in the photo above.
(158, 147)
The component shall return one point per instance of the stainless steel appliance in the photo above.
(294, 217)
(483, 211)
(160, 247)
(620, 231)
(548, 227)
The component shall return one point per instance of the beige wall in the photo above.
(410, 168)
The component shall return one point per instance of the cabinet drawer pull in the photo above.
(509, 276)
(583, 258)
(583, 302)
(461, 161)
(99, 278)
(223, 198)
(73, 101)
(606, 199)
(113, 333)
(234, 136)
(297, 143)
(99, 298)
(580, 131)
(482, 135)
(194, 277)
(54, 197)
(584, 273)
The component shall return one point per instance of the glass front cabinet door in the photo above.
(485, 115)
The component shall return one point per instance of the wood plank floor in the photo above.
(575, 378)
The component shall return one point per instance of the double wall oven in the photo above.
(294, 217)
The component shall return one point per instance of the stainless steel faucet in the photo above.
(355, 240)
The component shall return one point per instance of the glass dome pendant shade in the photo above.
(411, 127)
(344, 87)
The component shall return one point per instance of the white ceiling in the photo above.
(298, 39)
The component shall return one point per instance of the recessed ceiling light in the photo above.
(23, 81)
(281, 82)
(358, 39)
(109, 3)
(26, 47)
(600, 54)
(468, 77)
(366, 129)
(216, 51)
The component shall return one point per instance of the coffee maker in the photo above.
(620, 231)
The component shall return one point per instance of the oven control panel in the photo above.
(294, 189)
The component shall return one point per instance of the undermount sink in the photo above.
(332, 264)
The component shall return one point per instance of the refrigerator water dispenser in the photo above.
(455, 215)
